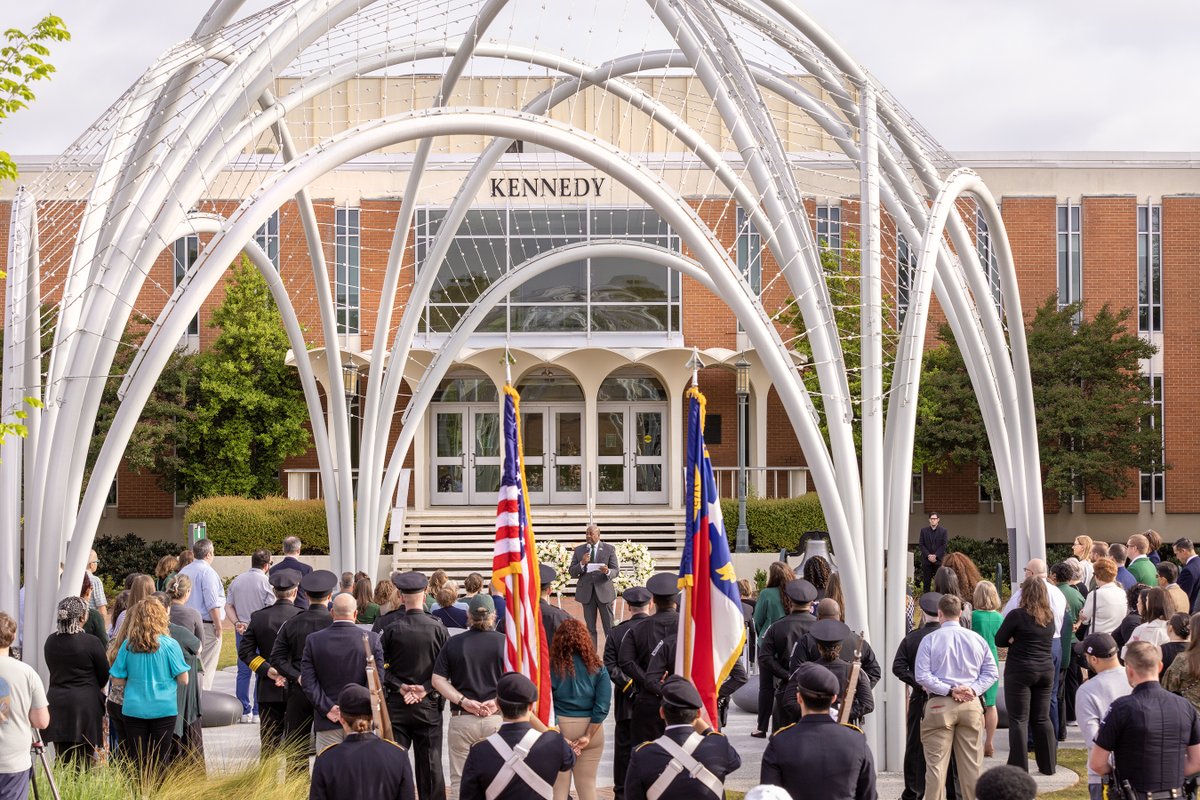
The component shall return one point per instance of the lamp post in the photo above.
(743, 401)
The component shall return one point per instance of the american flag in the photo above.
(712, 629)
(515, 565)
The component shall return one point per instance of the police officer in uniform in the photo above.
(662, 662)
(904, 667)
(828, 608)
(255, 650)
(636, 598)
(829, 635)
(362, 766)
(779, 640)
(638, 647)
(288, 651)
(552, 615)
(466, 673)
(684, 763)
(411, 645)
(517, 762)
(816, 758)
(1152, 734)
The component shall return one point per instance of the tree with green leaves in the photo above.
(22, 64)
(251, 413)
(1094, 417)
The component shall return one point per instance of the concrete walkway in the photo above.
(235, 745)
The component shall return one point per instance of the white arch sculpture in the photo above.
(167, 141)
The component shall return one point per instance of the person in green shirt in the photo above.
(1140, 564)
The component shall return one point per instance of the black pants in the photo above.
(298, 720)
(1027, 696)
(766, 698)
(271, 724)
(116, 728)
(419, 728)
(77, 755)
(622, 747)
(928, 568)
(646, 724)
(150, 742)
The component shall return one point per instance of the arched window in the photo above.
(549, 385)
(631, 386)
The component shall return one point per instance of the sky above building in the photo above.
(1018, 75)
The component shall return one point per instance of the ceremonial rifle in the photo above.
(852, 684)
(379, 711)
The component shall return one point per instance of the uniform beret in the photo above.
(355, 699)
(513, 687)
(319, 582)
(814, 679)
(285, 579)
(547, 574)
(663, 584)
(679, 692)
(800, 591)
(829, 630)
(929, 603)
(636, 595)
(410, 582)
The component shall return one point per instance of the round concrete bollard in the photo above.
(220, 709)
(746, 698)
(1001, 710)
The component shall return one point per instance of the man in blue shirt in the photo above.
(1118, 553)
(954, 666)
(208, 599)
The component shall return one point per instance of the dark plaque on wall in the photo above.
(712, 428)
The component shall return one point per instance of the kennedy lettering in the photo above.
(546, 187)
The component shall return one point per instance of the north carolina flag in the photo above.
(712, 629)
(515, 565)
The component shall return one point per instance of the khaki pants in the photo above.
(466, 730)
(210, 654)
(586, 763)
(329, 738)
(952, 727)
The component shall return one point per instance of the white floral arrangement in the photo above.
(555, 554)
(637, 565)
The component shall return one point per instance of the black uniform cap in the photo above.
(800, 591)
(319, 582)
(547, 574)
(664, 584)
(355, 700)
(636, 595)
(829, 630)
(513, 687)
(410, 582)
(929, 603)
(678, 692)
(814, 679)
(285, 579)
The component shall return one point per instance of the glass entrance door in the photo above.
(466, 455)
(630, 453)
(553, 442)
(648, 459)
(612, 454)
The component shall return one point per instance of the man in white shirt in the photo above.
(23, 707)
(1036, 568)
(208, 599)
(1095, 695)
(249, 592)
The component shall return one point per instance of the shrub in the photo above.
(238, 526)
(123, 555)
(775, 523)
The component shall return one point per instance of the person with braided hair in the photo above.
(78, 670)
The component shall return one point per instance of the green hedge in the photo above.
(238, 526)
(121, 556)
(775, 524)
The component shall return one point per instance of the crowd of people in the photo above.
(1079, 644)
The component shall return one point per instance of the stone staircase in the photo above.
(460, 539)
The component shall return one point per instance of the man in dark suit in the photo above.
(333, 659)
(254, 650)
(595, 565)
(684, 763)
(933, 541)
(516, 762)
(291, 560)
(1189, 573)
(637, 598)
(288, 651)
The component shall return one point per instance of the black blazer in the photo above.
(333, 659)
(933, 541)
(1189, 580)
(287, 562)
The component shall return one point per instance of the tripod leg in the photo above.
(49, 775)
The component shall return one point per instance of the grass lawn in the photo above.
(228, 649)
(1076, 761)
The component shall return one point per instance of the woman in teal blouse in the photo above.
(767, 610)
(148, 667)
(582, 693)
(986, 621)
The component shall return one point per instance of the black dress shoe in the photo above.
(759, 734)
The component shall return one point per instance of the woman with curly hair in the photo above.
(817, 571)
(78, 672)
(386, 596)
(145, 672)
(582, 692)
(967, 573)
(767, 610)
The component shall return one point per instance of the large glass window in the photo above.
(346, 268)
(1070, 255)
(1149, 253)
(185, 252)
(987, 256)
(588, 296)
(906, 268)
(1153, 489)
(829, 229)
(267, 238)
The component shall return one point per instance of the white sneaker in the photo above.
(246, 718)
(254, 718)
